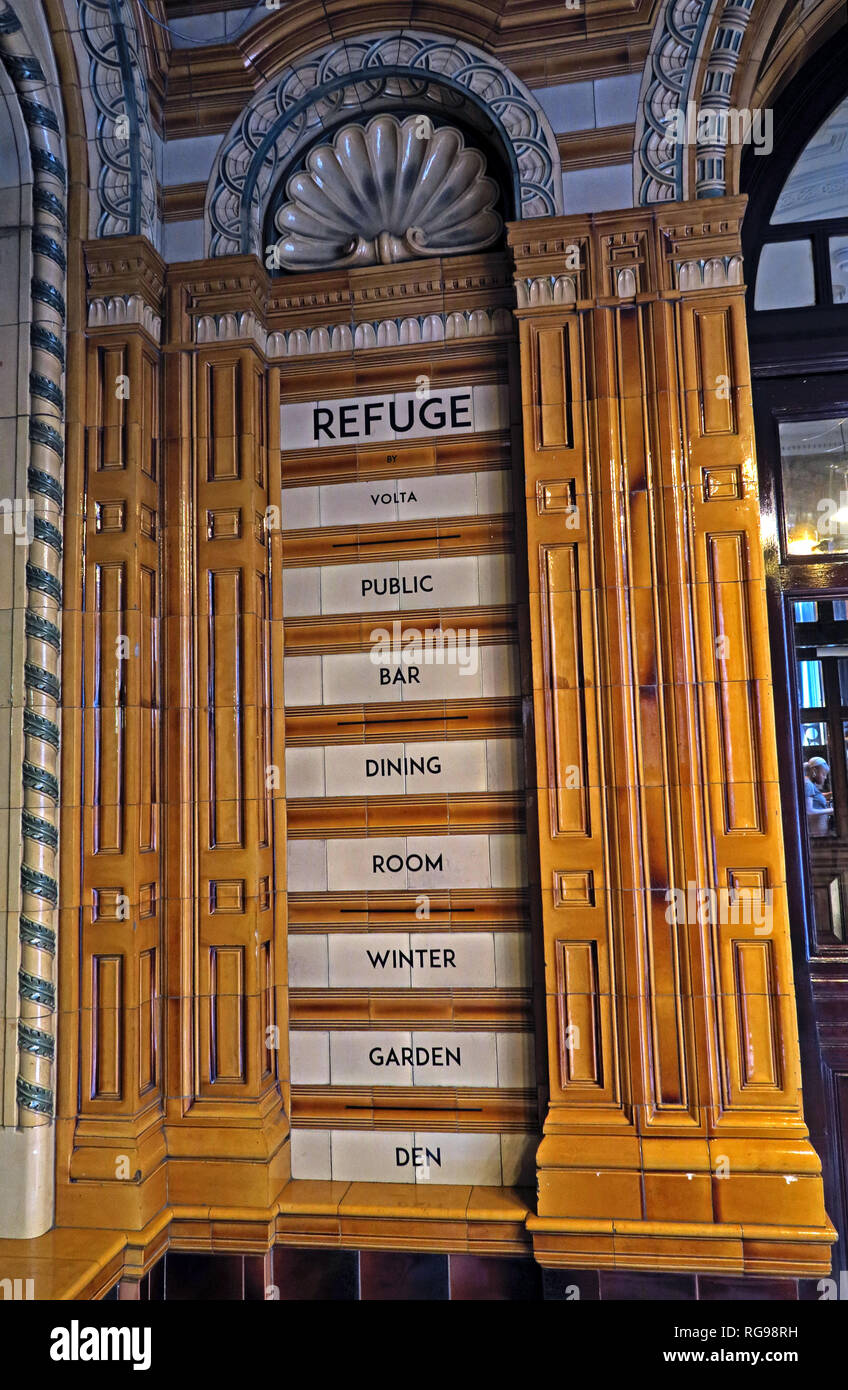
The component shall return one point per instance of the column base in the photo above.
(752, 1206)
(117, 1172)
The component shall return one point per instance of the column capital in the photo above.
(632, 254)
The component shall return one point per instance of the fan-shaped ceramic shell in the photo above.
(387, 191)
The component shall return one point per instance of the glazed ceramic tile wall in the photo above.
(429, 591)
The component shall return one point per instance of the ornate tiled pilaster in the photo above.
(226, 1117)
(112, 883)
(674, 1133)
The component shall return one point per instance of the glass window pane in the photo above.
(840, 611)
(839, 268)
(810, 686)
(818, 185)
(814, 472)
(806, 612)
(813, 739)
(785, 276)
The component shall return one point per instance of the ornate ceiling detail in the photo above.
(678, 37)
(673, 80)
(717, 92)
(388, 191)
(126, 180)
(356, 77)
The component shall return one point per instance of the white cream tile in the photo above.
(398, 863)
(504, 764)
(350, 421)
(445, 494)
(518, 1159)
(448, 583)
(302, 680)
(352, 677)
(454, 1059)
(373, 588)
(310, 1154)
(371, 1156)
(372, 419)
(459, 1159)
(453, 960)
(449, 411)
(513, 960)
(500, 670)
(459, 670)
(296, 425)
(305, 772)
(301, 592)
(459, 676)
(516, 1064)
(392, 586)
(394, 863)
(307, 957)
(491, 408)
(454, 861)
(448, 767)
(359, 864)
(497, 579)
(494, 493)
(508, 859)
(309, 1057)
(301, 509)
(365, 769)
(391, 769)
(371, 1058)
(357, 504)
(306, 866)
(396, 499)
(369, 960)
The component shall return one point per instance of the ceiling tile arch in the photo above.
(355, 78)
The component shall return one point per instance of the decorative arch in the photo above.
(43, 122)
(352, 77)
(709, 53)
(660, 170)
(117, 107)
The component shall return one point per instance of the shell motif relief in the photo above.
(388, 191)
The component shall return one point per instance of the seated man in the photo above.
(816, 774)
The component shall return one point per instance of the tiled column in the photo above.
(227, 1125)
(112, 885)
(674, 1130)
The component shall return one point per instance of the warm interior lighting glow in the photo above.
(802, 539)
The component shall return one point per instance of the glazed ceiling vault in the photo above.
(697, 52)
